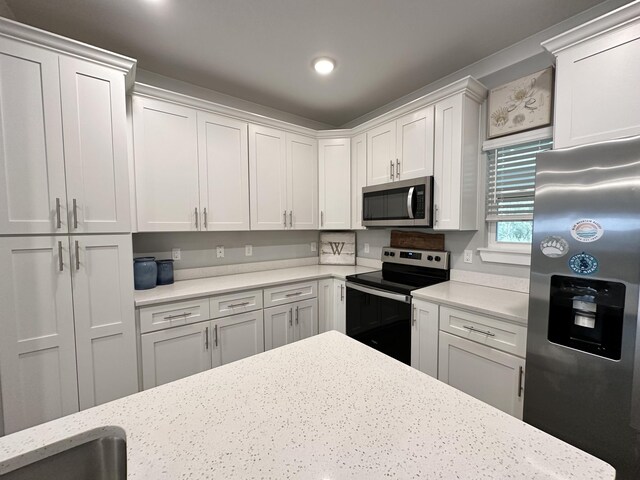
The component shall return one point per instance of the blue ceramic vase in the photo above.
(145, 273)
(165, 272)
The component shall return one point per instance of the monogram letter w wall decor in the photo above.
(337, 248)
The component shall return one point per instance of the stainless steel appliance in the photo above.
(582, 381)
(379, 303)
(407, 203)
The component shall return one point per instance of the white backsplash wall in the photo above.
(198, 249)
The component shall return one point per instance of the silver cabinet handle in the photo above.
(413, 317)
(238, 305)
(321, 218)
(297, 315)
(284, 214)
(196, 215)
(474, 329)
(342, 293)
(291, 317)
(295, 294)
(520, 387)
(215, 334)
(435, 214)
(397, 168)
(75, 213)
(77, 255)
(204, 220)
(180, 315)
(206, 338)
(58, 217)
(391, 169)
(60, 262)
(290, 218)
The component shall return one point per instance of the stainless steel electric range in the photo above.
(379, 312)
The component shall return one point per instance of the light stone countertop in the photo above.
(203, 287)
(504, 304)
(327, 407)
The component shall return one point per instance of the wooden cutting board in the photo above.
(417, 240)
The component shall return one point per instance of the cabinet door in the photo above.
(278, 326)
(105, 328)
(95, 147)
(424, 337)
(302, 169)
(224, 172)
(381, 154)
(326, 309)
(237, 337)
(415, 144)
(358, 178)
(335, 183)
(37, 349)
(447, 164)
(166, 166)
(340, 306)
(483, 372)
(306, 318)
(175, 353)
(32, 179)
(268, 178)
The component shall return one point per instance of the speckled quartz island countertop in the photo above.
(326, 407)
(203, 287)
(504, 304)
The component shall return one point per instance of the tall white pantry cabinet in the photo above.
(66, 298)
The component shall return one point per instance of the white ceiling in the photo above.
(261, 50)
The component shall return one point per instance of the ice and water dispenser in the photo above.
(587, 315)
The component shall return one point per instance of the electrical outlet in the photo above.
(219, 252)
(175, 253)
(468, 256)
(248, 250)
(366, 248)
(314, 246)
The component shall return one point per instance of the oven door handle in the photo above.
(410, 202)
(380, 293)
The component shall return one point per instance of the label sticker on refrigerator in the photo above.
(583, 264)
(554, 246)
(587, 230)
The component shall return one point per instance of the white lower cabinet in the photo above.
(291, 322)
(332, 305)
(67, 323)
(483, 372)
(424, 337)
(178, 352)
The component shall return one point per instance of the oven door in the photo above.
(380, 319)
(407, 202)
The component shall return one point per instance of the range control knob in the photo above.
(438, 259)
(393, 254)
(430, 258)
(386, 254)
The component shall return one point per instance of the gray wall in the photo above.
(198, 249)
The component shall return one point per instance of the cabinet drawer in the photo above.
(224, 305)
(169, 315)
(488, 331)
(289, 293)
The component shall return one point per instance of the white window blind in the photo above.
(511, 180)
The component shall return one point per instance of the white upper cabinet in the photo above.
(358, 178)
(597, 75)
(335, 183)
(456, 163)
(95, 146)
(302, 185)
(381, 154)
(37, 350)
(166, 166)
(414, 149)
(268, 178)
(104, 318)
(223, 172)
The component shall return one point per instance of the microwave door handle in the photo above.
(410, 202)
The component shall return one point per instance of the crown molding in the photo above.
(66, 46)
(614, 20)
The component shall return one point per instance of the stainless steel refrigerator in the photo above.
(582, 381)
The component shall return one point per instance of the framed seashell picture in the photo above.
(521, 105)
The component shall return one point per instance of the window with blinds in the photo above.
(511, 180)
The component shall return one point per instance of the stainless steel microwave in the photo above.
(407, 203)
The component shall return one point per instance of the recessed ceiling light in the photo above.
(324, 65)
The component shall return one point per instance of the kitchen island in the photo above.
(326, 407)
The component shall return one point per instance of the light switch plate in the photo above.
(366, 248)
(175, 253)
(314, 246)
(468, 256)
(248, 250)
(219, 252)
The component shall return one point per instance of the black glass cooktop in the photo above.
(400, 278)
